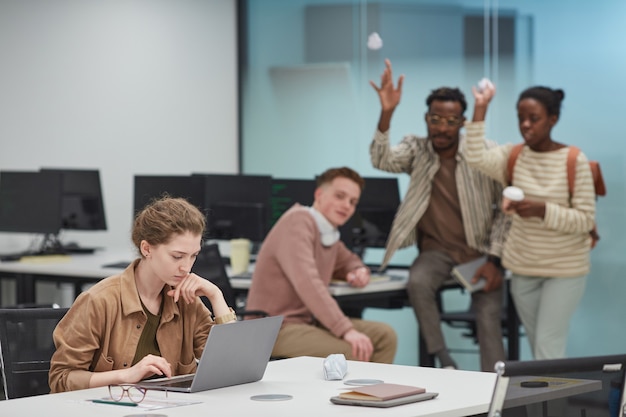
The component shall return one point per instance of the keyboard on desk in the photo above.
(374, 279)
(77, 250)
(242, 275)
(74, 250)
(10, 257)
(33, 256)
(117, 265)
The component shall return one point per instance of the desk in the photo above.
(383, 294)
(461, 393)
(81, 269)
(78, 269)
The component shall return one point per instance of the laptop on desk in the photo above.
(234, 353)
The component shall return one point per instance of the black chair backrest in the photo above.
(209, 265)
(26, 348)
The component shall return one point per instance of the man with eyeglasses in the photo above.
(451, 211)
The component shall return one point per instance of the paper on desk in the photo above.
(375, 278)
(335, 366)
(150, 403)
(44, 259)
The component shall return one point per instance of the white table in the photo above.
(461, 393)
(397, 283)
(81, 269)
(77, 269)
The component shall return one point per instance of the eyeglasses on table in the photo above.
(135, 393)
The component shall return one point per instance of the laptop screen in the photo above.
(234, 353)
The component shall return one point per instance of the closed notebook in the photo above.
(464, 273)
(381, 392)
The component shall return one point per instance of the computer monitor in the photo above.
(370, 225)
(239, 205)
(82, 205)
(150, 187)
(30, 202)
(583, 386)
(288, 191)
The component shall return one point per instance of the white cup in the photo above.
(511, 194)
(239, 255)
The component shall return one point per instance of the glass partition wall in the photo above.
(307, 103)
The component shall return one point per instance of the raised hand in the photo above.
(388, 93)
(484, 93)
(482, 97)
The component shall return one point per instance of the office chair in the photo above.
(26, 347)
(466, 320)
(572, 387)
(210, 265)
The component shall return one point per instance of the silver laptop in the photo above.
(235, 353)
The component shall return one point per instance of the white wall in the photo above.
(125, 86)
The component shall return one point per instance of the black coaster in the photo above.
(534, 384)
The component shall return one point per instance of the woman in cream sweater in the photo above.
(547, 249)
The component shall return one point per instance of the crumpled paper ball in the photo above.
(335, 366)
(374, 41)
(484, 83)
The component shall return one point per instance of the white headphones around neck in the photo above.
(329, 235)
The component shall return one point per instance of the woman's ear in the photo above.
(145, 248)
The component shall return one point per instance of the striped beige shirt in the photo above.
(479, 196)
(559, 244)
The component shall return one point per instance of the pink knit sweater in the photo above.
(293, 271)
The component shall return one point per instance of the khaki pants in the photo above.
(311, 340)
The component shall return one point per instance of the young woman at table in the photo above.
(148, 320)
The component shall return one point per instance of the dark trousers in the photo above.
(428, 272)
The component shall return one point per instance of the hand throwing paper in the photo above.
(484, 83)
(374, 41)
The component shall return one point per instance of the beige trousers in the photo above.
(311, 340)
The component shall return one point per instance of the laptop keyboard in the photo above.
(182, 381)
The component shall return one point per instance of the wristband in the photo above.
(495, 260)
(226, 318)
